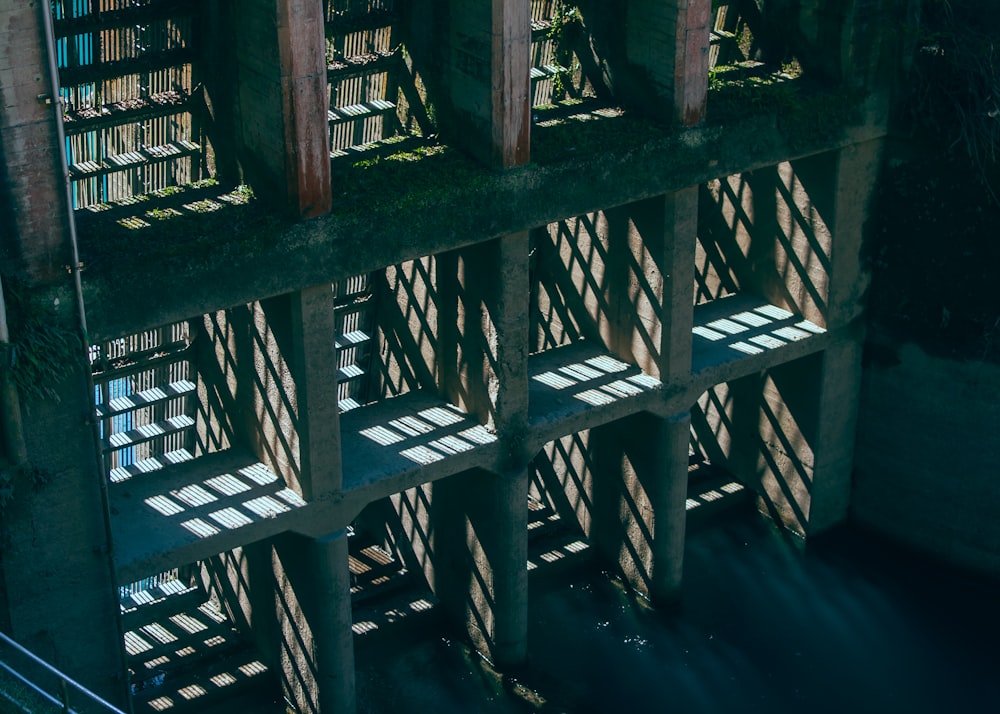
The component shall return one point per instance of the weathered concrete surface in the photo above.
(281, 86)
(33, 245)
(639, 494)
(48, 559)
(926, 471)
(241, 262)
(478, 524)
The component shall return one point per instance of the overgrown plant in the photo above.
(41, 353)
(566, 19)
(956, 84)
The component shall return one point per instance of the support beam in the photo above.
(485, 74)
(484, 330)
(282, 97)
(480, 543)
(315, 366)
(332, 633)
(640, 493)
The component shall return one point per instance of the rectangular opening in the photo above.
(130, 88)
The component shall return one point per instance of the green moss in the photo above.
(574, 128)
(179, 221)
(40, 351)
(413, 179)
(806, 113)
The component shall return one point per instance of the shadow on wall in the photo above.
(250, 389)
(762, 429)
(470, 286)
(265, 588)
(765, 233)
(461, 535)
(407, 324)
(218, 371)
(603, 482)
(600, 277)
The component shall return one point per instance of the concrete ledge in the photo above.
(259, 256)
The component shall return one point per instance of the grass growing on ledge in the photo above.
(581, 128)
(175, 219)
(408, 180)
(806, 113)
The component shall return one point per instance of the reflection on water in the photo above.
(851, 625)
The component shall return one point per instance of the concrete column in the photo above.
(857, 169)
(285, 386)
(657, 59)
(680, 216)
(313, 606)
(840, 40)
(484, 330)
(838, 393)
(282, 98)
(690, 95)
(486, 76)
(640, 494)
(55, 529)
(34, 240)
(480, 544)
(316, 379)
(334, 638)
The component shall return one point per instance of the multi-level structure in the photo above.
(309, 297)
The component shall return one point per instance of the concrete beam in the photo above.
(282, 96)
(639, 500)
(289, 257)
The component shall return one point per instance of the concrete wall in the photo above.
(926, 470)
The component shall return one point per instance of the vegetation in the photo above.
(955, 87)
(934, 252)
(566, 21)
(807, 113)
(40, 350)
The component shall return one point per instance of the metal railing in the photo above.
(63, 695)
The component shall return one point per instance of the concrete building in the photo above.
(312, 300)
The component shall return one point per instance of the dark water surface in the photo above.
(850, 625)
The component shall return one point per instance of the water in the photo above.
(850, 625)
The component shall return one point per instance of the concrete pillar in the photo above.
(484, 330)
(34, 242)
(480, 544)
(657, 59)
(334, 638)
(840, 41)
(280, 361)
(55, 529)
(640, 493)
(838, 393)
(680, 231)
(282, 102)
(312, 598)
(857, 168)
(315, 366)
(485, 79)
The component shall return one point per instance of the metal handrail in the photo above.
(65, 683)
